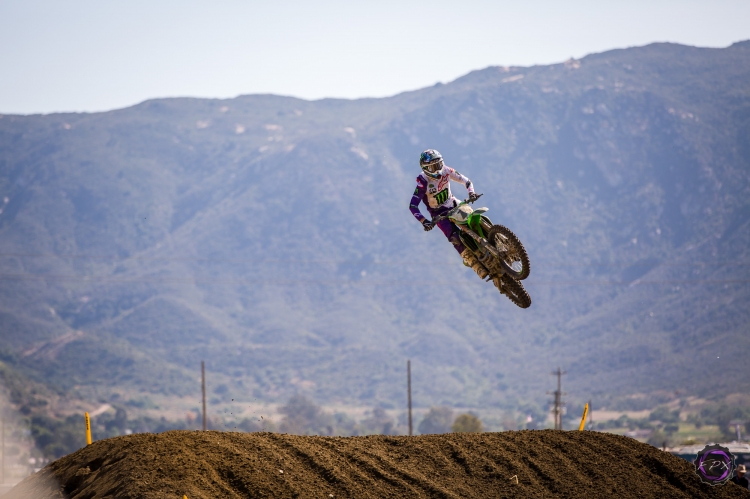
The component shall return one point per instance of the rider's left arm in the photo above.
(457, 177)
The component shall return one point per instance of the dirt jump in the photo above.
(528, 464)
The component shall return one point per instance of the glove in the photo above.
(427, 225)
(473, 196)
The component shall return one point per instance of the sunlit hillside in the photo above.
(270, 237)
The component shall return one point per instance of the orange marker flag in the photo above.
(583, 418)
(88, 428)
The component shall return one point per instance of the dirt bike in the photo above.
(496, 247)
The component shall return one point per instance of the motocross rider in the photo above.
(434, 190)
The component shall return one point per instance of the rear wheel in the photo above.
(514, 290)
(515, 259)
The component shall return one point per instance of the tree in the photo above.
(695, 419)
(671, 428)
(663, 414)
(437, 420)
(659, 439)
(303, 416)
(724, 414)
(467, 423)
(380, 422)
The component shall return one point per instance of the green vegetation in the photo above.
(302, 416)
(56, 438)
(663, 414)
(467, 423)
(721, 416)
(437, 420)
(709, 423)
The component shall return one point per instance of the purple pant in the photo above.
(450, 230)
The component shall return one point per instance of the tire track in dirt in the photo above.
(211, 464)
(415, 484)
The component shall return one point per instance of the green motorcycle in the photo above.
(496, 247)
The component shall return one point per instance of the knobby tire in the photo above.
(499, 236)
(515, 291)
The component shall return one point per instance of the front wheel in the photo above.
(515, 260)
(514, 290)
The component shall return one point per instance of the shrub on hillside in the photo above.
(467, 423)
(660, 439)
(302, 416)
(58, 437)
(437, 420)
(663, 414)
(379, 422)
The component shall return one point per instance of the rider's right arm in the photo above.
(463, 179)
(417, 198)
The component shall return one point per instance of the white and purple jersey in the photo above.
(436, 193)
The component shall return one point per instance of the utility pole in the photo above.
(557, 407)
(203, 389)
(3, 477)
(408, 389)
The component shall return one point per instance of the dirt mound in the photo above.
(239, 465)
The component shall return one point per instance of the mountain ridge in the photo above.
(159, 213)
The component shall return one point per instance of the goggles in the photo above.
(434, 167)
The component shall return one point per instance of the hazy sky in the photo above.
(90, 55)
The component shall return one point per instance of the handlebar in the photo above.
(465, 201)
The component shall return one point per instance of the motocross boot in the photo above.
(471, 261)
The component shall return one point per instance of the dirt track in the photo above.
(239, 465)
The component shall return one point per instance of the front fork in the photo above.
(488, 255)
